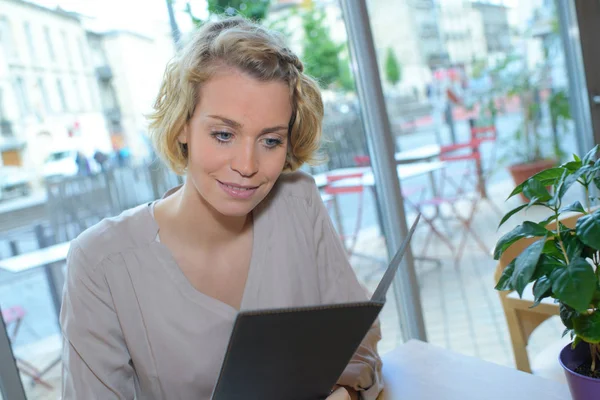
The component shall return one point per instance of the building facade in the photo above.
(129, 68)
(48, 90)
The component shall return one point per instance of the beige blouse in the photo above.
(135, 327)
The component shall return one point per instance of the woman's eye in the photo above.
(222, 136)
(271, 142)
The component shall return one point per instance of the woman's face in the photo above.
(237, 140)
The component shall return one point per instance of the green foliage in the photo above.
(393, 71)
(563, 262)
(321, 54)
(252, 9)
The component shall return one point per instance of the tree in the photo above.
(252, 9)
(393, 72)
(321, 54)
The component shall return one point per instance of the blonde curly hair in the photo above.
(241, 44)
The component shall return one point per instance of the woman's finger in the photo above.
(339, 394)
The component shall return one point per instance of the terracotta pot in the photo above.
(522, 172)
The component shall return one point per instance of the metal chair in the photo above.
(13, 316)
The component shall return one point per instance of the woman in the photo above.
(151, 295)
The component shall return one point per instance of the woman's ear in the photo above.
(183, 136)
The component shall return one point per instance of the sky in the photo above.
(136, 15)
(141, 15)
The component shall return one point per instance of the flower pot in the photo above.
(582, 387)
(522, 172)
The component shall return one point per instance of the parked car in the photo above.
(60, 163)
(14, 181)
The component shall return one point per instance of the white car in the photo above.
(13, 181)
(60, 163)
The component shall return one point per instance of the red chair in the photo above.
(471, 180)
(333, 191)
(13, 316)
(408, 194)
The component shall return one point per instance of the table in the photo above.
(423, 153)
(404, 171)
(418, 370)
(51, 259)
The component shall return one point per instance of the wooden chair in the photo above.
(521, 319)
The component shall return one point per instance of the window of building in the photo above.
(6, 38)
(79, 106)
(65, 40)
(49, 45)
(21, 94)
(83, 54)
(61, 95)
(29, 38)
(44, 94)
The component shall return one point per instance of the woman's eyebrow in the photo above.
(237, 125)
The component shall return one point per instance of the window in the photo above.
(21, 94)
(49, 45)
(83, 53)
(44, 94)
(61, 95)
(29, 38)
(6, 39)
(79, 106)
(67, 49)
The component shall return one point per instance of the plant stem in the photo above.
(562, 246)
(594, 350)
(587, 199)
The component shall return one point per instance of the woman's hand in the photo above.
(340, 394)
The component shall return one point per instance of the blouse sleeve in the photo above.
(338, 283)
(96, 362)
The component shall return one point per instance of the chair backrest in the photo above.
(461, 151)
(484, 133)
(12, 314)
(362, 161)
(333, 189)
(569, 220)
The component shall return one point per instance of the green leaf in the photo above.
(565, 182)
(574, 284)
(588, 229)
(587, 327)
(516, 190)
(547, 177)
(597, 181)
(566, 315)
(511, 213)
(547, 264)
(542, 288)
(576, 341)
(589, 157)
(504, 281)
(576, 158)
(572, 244)
(555, 198)
(525, 230)
(572, 166)
(525, 265)
(576, 207)
(548, 220)
(533, 202)
(535, 189)
(567, 330)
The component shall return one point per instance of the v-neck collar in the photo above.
(186, 287)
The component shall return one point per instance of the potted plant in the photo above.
(531, 147)
(562, 263)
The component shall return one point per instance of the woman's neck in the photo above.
(186, 211)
